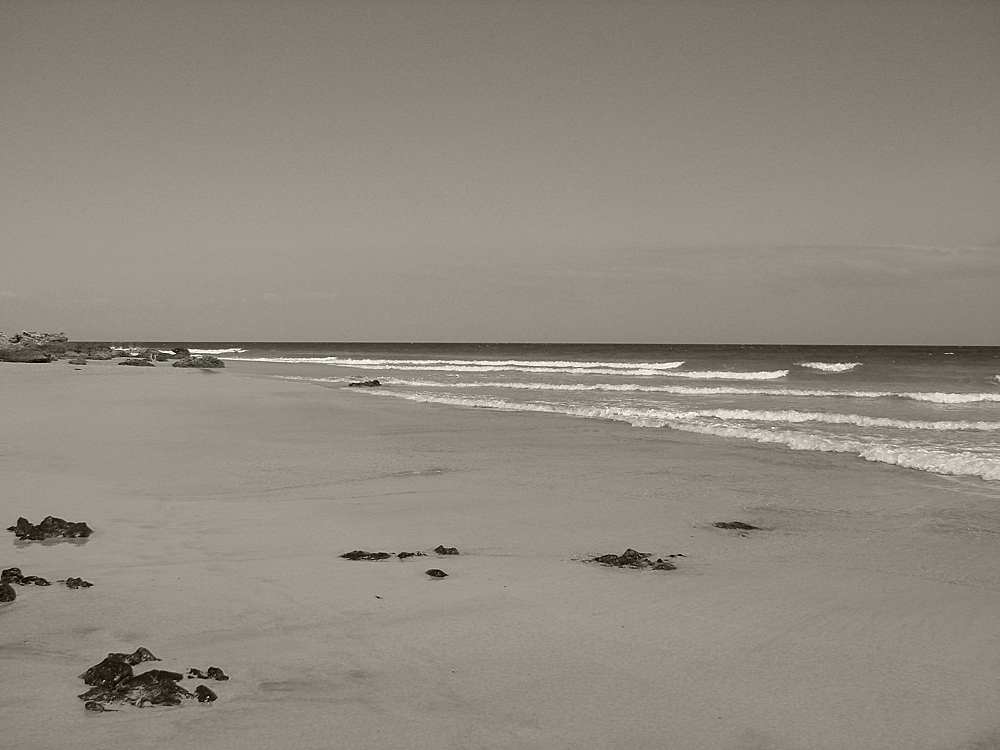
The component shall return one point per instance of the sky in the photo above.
(672, 171)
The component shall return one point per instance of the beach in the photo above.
(862, 614)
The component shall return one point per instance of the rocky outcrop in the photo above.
(49, 527)
(735, 525)
(364, 384)
(136, 362)
(442, 550)
(202, 361)
(31, 346)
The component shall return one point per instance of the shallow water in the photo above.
(933, 409)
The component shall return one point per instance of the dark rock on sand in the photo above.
(738, 525)
(181, 352)
(404, 555)
(442, 550)
(136, 362)
(365, 384)
(630, 558)
(77, 583)
(360, 554)
(97, 707)
(78, 361)
(114, 681)
(109, 673)
(213, 673)
(14, 575)
(435, 573)
(117, 667)
(204, 694)
(155, 687)
(49, 527)
(7, 593)
(203, 361)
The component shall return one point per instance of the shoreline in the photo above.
(861, 616)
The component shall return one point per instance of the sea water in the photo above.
(932, 409)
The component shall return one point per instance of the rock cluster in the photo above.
(360, 554)
(364, 384)
(49, 527)
(202, 361)
(14, 576)
(630, 558)
(115, 681)
(137, 362)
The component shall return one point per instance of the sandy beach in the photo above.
(863, 615)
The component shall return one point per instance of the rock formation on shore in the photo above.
(31, 346)
(202, 361)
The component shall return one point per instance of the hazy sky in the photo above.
(809, 171)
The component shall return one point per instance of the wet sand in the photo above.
(864, 615)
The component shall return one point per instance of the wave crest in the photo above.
(830, 366)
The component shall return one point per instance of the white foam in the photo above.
(691, 390)
(550, 367)
(830, 366)
(925, 459)
(476, 365)
(233, 350)
(796, 417)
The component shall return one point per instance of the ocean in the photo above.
(929, 409)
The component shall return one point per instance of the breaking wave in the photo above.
(925, 459)
(486, 365)
(667, 369)
(216, 352)
(685, 390)
(830, 366)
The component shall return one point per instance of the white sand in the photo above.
(865, 617)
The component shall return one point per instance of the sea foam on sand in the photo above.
(862, 616)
